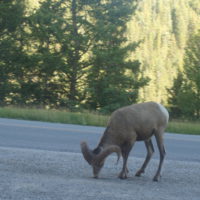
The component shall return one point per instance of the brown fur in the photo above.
(137, 122)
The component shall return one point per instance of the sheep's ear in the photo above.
(106, 152)
(87, 153)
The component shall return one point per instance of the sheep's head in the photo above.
(97, 159)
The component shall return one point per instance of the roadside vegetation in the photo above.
(58, 116)
(86, 118)
(99, 55)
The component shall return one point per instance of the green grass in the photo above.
(184, 127)
(85, 118)
(82, 118)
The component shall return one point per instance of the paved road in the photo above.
(42, 161)
(64, 137)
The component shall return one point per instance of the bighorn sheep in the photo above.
(137, 122)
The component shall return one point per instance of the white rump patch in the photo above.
(164, 111)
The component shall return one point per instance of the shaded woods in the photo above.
(100, 55)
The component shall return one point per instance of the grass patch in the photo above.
(85, 118)
(185, 127)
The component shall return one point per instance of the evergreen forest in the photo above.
(100, 54)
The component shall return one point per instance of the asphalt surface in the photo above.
(66, 138)
(43, 161)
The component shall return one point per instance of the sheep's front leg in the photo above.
(124, 172)
(125, 153)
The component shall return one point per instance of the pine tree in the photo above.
(12, 55)
(113, 79)
(58, 29)
(188, 97)
(75, 47)
(163, 27)
(173, 99)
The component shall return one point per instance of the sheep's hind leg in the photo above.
(159, 140)
(150, 151)
(125, 153)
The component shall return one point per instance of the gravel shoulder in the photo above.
(48, 175)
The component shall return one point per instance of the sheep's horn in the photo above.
(87, 153)
(107, 151)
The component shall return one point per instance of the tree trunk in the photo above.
(73, 96)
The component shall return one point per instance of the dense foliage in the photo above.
(164, 28)
(100, 54)
(60, 53)
(185, 93)
(113, 79)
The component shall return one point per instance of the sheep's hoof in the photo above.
(156, 178)
(138, 173)
(122, 175)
